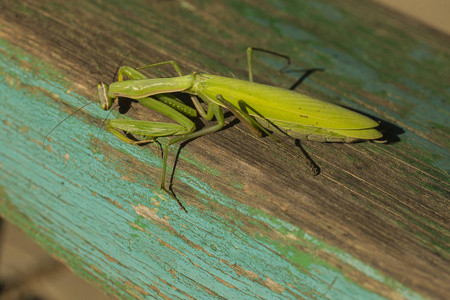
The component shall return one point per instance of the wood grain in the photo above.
(373, 225)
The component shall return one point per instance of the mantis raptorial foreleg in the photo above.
(132, 73)
(169, 99)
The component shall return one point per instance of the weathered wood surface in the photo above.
(374, 224)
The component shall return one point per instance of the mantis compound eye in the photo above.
(105, 100)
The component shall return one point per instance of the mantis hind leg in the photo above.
(257, 129)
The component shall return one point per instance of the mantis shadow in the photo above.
(389, 130)
(306, 74)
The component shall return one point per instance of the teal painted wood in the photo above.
(372, 226)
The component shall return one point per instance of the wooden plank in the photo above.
(373, 225)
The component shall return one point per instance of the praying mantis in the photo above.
(261, 108)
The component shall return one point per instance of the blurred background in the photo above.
(42, 277)
(434, 13)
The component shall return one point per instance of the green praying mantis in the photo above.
(262, 108)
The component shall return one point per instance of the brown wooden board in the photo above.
(373, 224)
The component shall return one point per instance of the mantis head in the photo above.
(105, 100)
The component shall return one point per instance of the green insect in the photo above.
(262, 108)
